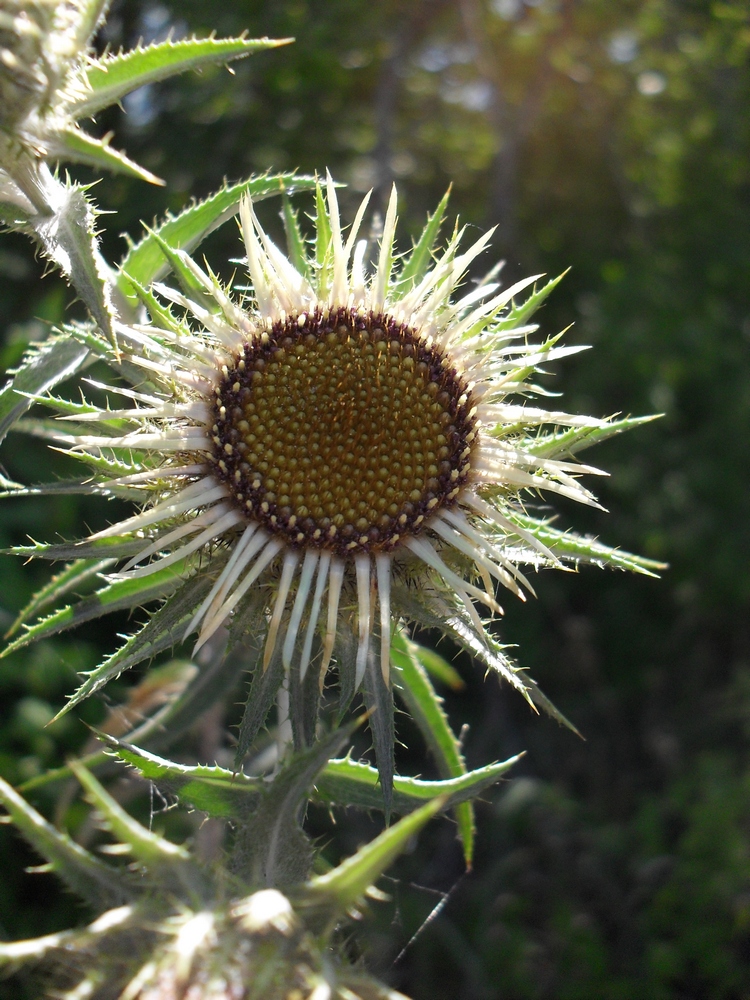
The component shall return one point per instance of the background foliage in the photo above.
(612, 138)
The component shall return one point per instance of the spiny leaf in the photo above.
(69, 241)
(148, 847)
(420, 257)
(210, 684)
(92, 337)
(492, 655)
(13, 215)
(127, 593)
(214, 790)
(67, 407)
(577, 438)
(98, 883)
(66, 487)
(577, 548)
(345, 656)
(160, 315)
(74, 487)
(74, 575)
(115, 548)
(112, 77)
(271, 848)
(433, 611)
(352, 878)
(163, 630)
(517, 315)
(184, 704)
(295, 244)
(189, 283)
(351, 783)
(378, 696)
(145, 261)
(425, 707)
(249, 627)
(119, 462)
(343, 782)
(323, 257)
(78, 147)
(57, 359)
(439, 668)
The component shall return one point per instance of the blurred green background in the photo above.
(609, 137)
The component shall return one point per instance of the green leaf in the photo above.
(163, 630)
(161, 316)
(425, 707)
(348, 882)
(148, 847)
(271, 848)
(421, 256)
(115, 548)
(304, 698)
(345, 657)
(128, 593)
(492, 654)
(439, 668)
(351, 783)
(92, 337)
(445, 614)
(295, 244)
(190, 692)
(71, 487)
(145, 261)
(343, 782)
(517, 315)
(210, 684)
(569, 546)
(77, 573)
(78, 147)
(247, 635)
(69, 241)
(16, 211)
(214, 790)
(378, 697)
(120, 462)
(98, 883)
(264, 688)
(67, 407)
(575, 439)
(323, 255)
(112, 77)
(57, 359)
(191, 286)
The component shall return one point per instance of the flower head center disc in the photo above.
(342, 430)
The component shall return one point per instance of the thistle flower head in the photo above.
(343, 449)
